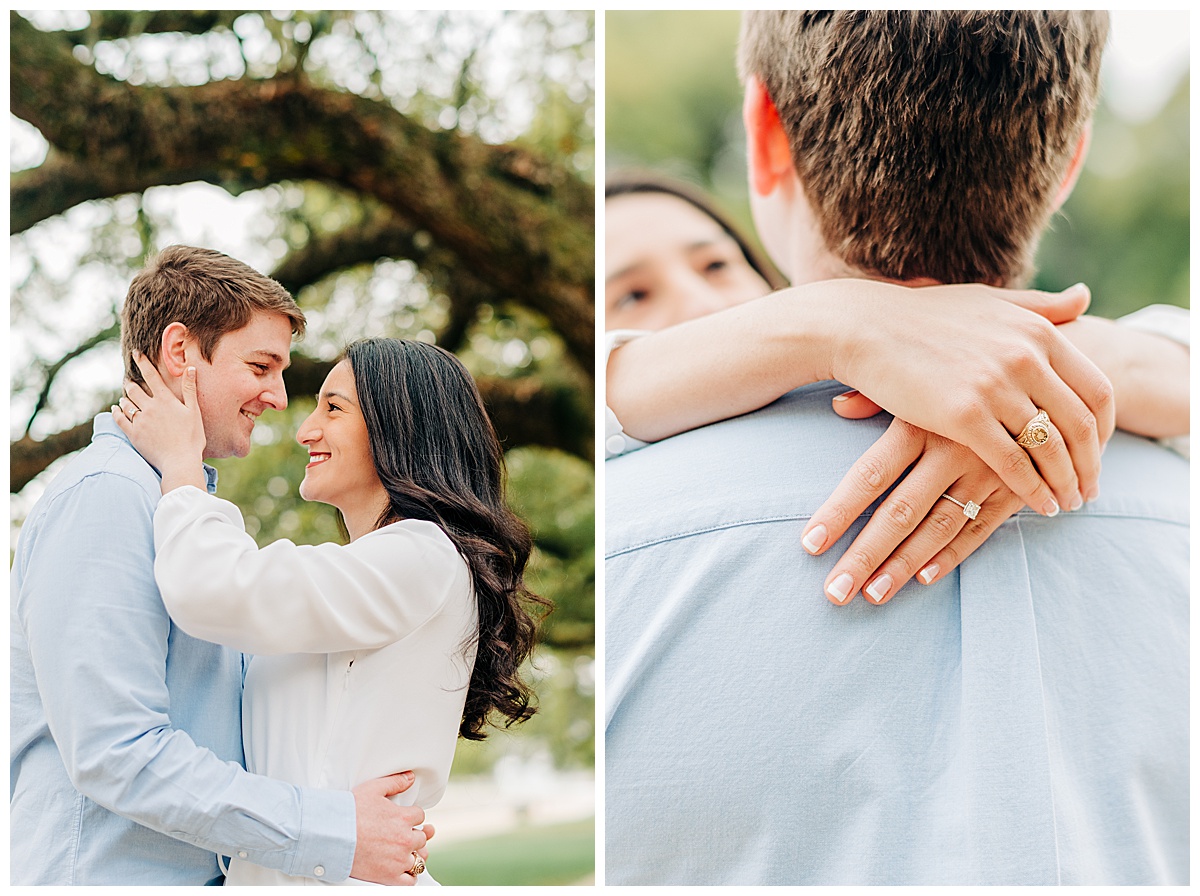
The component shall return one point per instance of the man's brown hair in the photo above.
(209, 293)
(930, 143)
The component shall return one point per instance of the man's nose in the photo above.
(275, 394)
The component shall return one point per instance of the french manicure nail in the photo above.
(929, 573)
(1076, 502)
(1050, 508)
(814, 539)
(845, 395)
(840, 587)
(1092, 495)
(880, 587)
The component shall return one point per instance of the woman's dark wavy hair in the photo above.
(624, 183)
(439, 460)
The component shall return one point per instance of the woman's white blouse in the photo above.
(363, 652)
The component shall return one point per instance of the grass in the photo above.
(539, 856)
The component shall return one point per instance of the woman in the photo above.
(674, 264)
(372, 657)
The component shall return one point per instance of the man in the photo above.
(1023, 720)
(126, 744)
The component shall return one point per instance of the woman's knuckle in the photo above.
(870, 473)
(942, 524)
(901, 512)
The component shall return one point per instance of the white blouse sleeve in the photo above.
(218, 585)
(1170, 322)
(616, 440)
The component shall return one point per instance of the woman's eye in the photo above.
(715, 266)
(333, 407)
(633, 297)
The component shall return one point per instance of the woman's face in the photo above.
(340, 470)
(666, 262)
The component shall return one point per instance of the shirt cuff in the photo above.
(1169, 321)
(328, 830)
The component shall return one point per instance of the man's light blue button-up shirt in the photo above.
(126, 744)
(1022, 721)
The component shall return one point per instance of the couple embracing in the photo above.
(136, 595)
(1021, 715)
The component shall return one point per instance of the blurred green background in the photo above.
(673, 104)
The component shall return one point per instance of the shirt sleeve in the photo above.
(1170, 322)
(616, 440)
(218, 585)
(98, 637)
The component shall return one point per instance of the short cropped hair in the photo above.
(930, 143)
(209, 293)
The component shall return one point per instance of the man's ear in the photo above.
(1074, 169)
(770, 156)
(173, 351)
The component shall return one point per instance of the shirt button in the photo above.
(614, 444)
(319, 871)
(242, 854)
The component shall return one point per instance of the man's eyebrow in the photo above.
(278, 359)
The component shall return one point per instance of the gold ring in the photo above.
(1036, 431)
(418, 865)
(133, 413)
(970, 509)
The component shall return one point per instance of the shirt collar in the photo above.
(104, 425)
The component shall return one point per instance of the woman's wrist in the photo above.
(180, 471)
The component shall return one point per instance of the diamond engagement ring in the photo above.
(1036, 431)
(970, 509)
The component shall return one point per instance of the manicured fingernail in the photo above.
(929, 573)
(840, 587)
(1050, 508)
(1076, 287)
(814, 539)
(191, 372)
(1092, 495)
(845, 395)
(880, 587)
(1076, 502)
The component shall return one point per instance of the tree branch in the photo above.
(519, 222)
(113, 331)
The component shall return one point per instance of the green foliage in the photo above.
(563, 730)
(1125, 229)
(533, 856)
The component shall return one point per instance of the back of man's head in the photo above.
(209, 293)
(930, 143)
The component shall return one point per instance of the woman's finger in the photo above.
(136, 394)
(911, 503)
(148, 371)
(998, 449)
(1086, 416)
(1054, 461)
(944, 523)
(880, 466)
(1002, 505)
(128, 408)
(853, 405)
